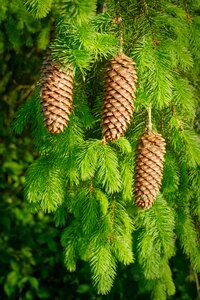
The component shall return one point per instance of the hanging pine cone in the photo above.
(120, 87)
(56, 95)
(149, 167)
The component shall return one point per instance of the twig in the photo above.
(119, 21)
(104, 7)
(149, 126)
(187, 11)
(197, 284)
(146, 13)
(29, 91)
(103, 141)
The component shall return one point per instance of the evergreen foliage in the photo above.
(38, 8)
(86, 183)
(81, 45)
(80, 11)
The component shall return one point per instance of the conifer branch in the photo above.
(147, 15)
(39, 8)
(80, 11)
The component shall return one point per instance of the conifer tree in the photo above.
(88, 183)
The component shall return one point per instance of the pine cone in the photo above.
(56, 95)
(120, 87)
(149, 167)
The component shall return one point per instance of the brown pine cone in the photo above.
(149, 168)
(56, 95)
(120, 87)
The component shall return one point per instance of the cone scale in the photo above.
(149, 168)
(56, 95)
(119, 94)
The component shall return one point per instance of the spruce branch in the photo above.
(155, 75)
(44, 186)
(127, 178)
(103, 266)
(103, 200)
(167, 279)
(24, 114)
(61, 215)
(108, 169)
(121, 234)
(188, 237)
(70, 244)
(158, 291)
(171, 176)
(184, 97)
(81, 45)
(99, 160)
(146, 13)
(163, 287)
(86, 209)
(39, 8)
(123, 144)
(156, 239)
(194, 183)
(80, 11)
(185, 140)
(113, 205)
